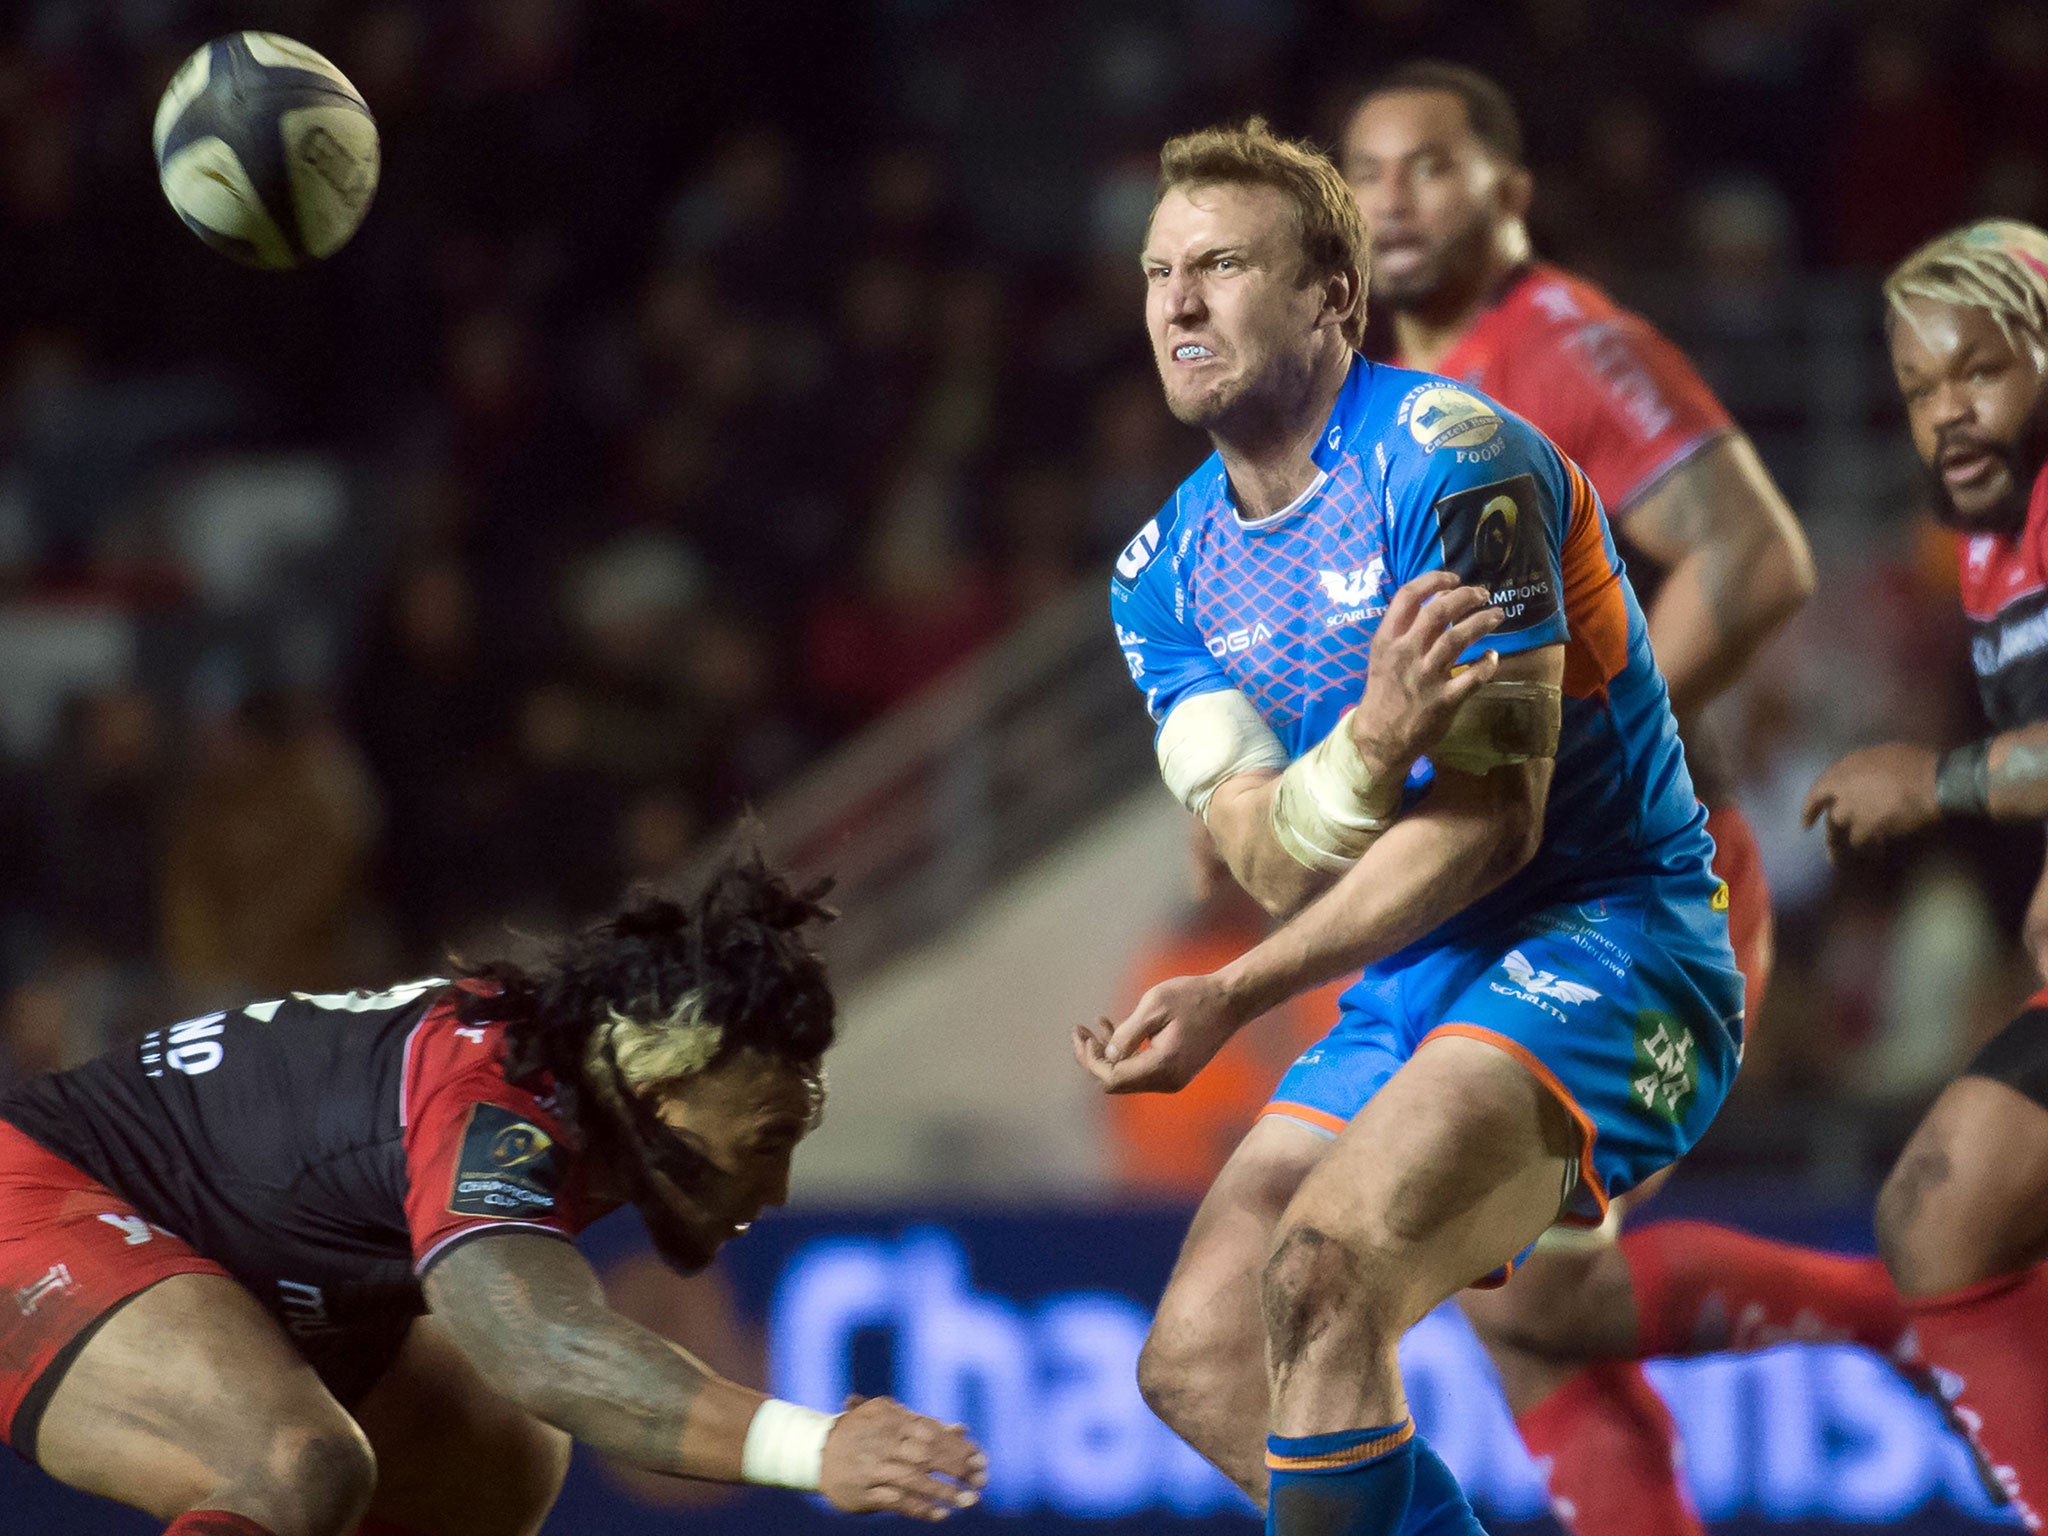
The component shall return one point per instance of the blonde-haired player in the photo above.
(1963, 1220)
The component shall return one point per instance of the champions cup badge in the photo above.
(1493, 541)
(518, 1145)
(1438, 416)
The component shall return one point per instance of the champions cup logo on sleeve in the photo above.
(1493, 536)
(508, 1166)
(1438, 416)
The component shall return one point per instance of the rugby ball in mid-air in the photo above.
(265, 150)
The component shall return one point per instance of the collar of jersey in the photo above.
(1329, 447)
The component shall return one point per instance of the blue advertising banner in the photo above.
(1027, 1327)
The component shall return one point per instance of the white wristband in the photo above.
(786, 1446)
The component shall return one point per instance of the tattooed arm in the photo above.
(1736, 567)
(1896, 789)
(530, 1314)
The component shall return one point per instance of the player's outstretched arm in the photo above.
(1737, 567)
(1880, 793)
(528, 1311)
(1471, 833)
(1414, 690)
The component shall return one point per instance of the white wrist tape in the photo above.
(786, 1446)
(1209, 738)
(1329, 807)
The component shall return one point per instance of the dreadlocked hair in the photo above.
(1996, 265)
(666, 989)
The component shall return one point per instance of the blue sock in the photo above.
(1356, 1482)
(1437, 1507)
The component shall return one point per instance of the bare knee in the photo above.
(1191, 1356)
(1318, 1290)
(317, 1479)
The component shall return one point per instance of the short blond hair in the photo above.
(1998, 265)
(1333, 239)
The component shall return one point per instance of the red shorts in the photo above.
(71, 1252)
(1737, 861)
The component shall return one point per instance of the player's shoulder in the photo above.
(1430, 426)
(1548, 299)
(1138, 565)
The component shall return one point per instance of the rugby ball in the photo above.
(265, 150)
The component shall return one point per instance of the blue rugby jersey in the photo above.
(1417, 472)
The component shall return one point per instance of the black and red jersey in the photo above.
(2005, 597)
(323, 1149)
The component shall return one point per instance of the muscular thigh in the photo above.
(1457, 1164)
(1215, 1283)
(1968, 1200)
(188, 1388)
(455, 1457)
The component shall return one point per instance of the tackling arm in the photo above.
(530, 1314)
(1737, 567)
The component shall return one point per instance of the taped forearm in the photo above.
(1503, 723)
(1211, 738)
(1330, 805)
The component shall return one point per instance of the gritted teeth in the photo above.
(1187, 351)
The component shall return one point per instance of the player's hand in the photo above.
(881, 1456)
(1872, 795)
(1171, 1035)
(1411, 689)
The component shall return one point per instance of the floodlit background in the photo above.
(738, 404)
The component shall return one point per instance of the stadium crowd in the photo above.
(708, 379)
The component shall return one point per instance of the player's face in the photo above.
(1976, 406)
(745, 1120)
(1231, 322)
(1432, 194)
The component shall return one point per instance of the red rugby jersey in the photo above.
(2004, 582)
(1599, 381)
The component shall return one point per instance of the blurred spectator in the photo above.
(1900, 163)
(266, 880)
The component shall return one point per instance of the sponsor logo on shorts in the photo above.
(304, 1306)
(508, 1166)
(133, 1229)
(1719, 900)
(1667, 1066)
(57, 1282)
(1545, 983)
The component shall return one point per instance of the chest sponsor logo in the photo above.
(1355, 588)
(1667, 1065)
(1137, 554)
(1493, 536)
(2007, 639)
(193, 1047)
(1441, 416)
(1237, 641)
(507, 1166)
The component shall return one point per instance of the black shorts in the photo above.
(2018, 1054)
